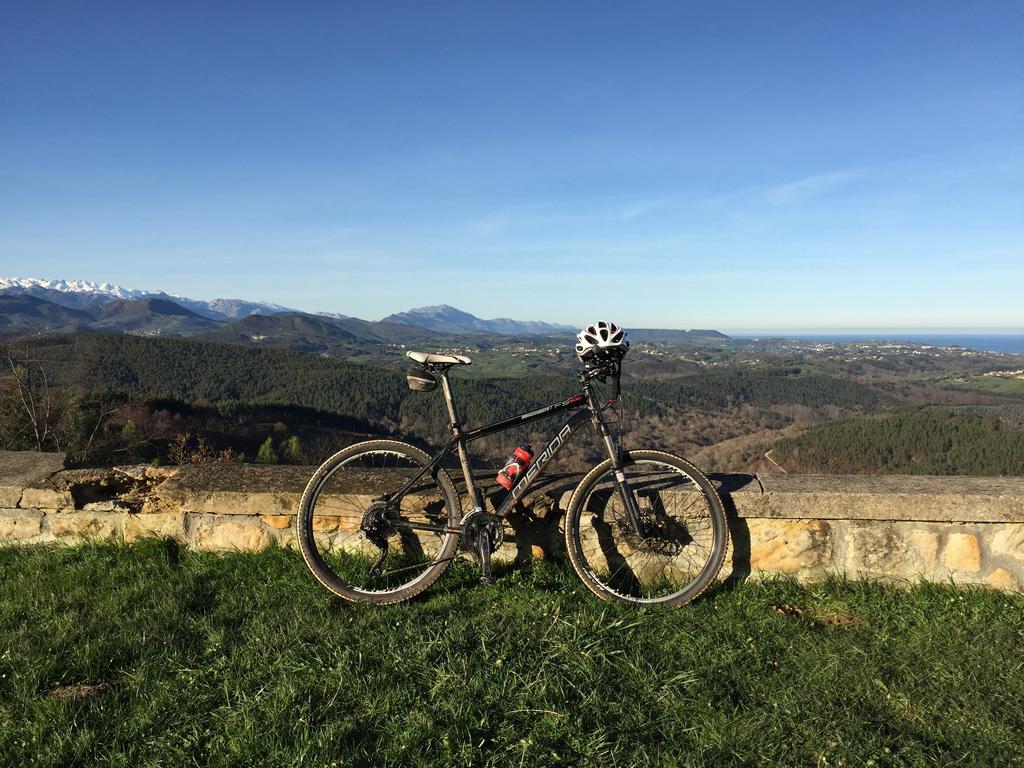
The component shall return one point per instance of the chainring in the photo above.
(477, 523)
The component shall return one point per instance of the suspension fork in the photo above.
(625, 491)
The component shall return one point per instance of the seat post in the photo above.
(456, 429)
(449, 400)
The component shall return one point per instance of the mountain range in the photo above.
(83, 294)
(29, 305)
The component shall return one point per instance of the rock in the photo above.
(962, 553)
(879, 548)
(104, 506)
(18, 524)
(789, 546)
(278, 521)
(86, 525)
(1009, 540)
(46, 498)
(25, 469)
(162, 524)
(1001, 578)
(231, 534)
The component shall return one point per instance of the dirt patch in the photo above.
(78, 691)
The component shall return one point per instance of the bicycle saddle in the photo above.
(429, 358)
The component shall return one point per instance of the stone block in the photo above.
(925, 545)
(962, 553)
(789, 546)
(1001, 578)
(161, 524)
(86, 525)
(886, 498)
(332, 524)
(46, 498)
(892, 550)
(10, 496)
(18, 524)
(278, 521)
(245, 534)
(1008, 540)
(25, 469)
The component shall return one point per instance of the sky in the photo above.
(730, 165)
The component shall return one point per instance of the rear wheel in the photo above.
(360, 543)
(683, 540)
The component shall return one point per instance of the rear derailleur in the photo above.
(378, 528)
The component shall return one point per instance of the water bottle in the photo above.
(514, 467)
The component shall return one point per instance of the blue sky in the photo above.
(729, 165)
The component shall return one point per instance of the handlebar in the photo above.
(611, 370)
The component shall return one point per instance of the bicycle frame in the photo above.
(586, 407)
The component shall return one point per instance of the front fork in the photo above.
(625, 491)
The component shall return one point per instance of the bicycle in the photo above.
(380, 521)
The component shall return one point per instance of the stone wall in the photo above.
(899, 528)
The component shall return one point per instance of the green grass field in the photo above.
(149, 655)
(998, 385)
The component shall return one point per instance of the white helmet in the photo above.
(601, 339)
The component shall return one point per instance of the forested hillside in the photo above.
(227, 392)
(915, 442)
(191, 371)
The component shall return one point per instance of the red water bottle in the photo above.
(514, 467)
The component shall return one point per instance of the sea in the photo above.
(1007, 343)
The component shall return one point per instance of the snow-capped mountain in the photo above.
(26, 284)
(85, 294)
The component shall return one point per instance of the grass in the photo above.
(150, 655)
(994, 384)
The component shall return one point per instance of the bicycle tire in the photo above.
(336, 548)
(617, 565)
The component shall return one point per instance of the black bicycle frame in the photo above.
(586, 407)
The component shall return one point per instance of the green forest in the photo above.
(928, 441)
(110, 398)
(223, 374)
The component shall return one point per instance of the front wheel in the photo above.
(683, 537)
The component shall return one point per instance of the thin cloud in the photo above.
(801, 190)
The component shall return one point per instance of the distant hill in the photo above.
(31, 314)
(315, 333)
(306, 333)
(446, 319)
(27, 314)
(152, 316)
